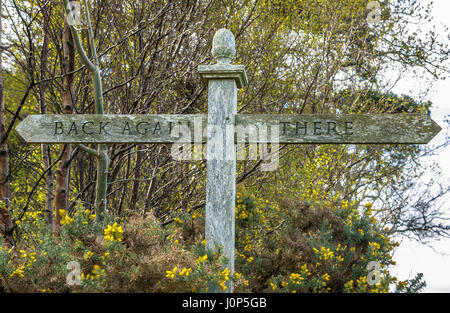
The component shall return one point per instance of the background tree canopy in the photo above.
(311, 226)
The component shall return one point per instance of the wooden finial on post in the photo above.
(223, 46)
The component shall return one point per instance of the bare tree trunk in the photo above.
(124, 186)
(45, 149)
(5, 214)
(137, 174)
(62, 173)
(102, 149)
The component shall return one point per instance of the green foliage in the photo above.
(296, 246)
(135, 258)
(412, 285)
(314, 248)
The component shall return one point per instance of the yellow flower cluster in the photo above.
(28, 263)
(201, 259)
(362, 281)
(105, 256)
(34, 214)
(374, 245)
(6, 249)
(85, 213)
(369, 208)
(401, 285)
(305, 270)
(96, 272)
(379, 290)
(185, 271)
(88, 255)
(224, 278)
(243, 215)
(114, 232)
(296, 278)
(172, 273)
(172, 237)
(18, 271)
(348, 286)
(325, 253)
(65, 218)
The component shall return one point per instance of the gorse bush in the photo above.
(130, 256)
(302, 246)
(292, 246)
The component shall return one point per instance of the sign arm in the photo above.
(411, 128)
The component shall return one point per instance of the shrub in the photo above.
(292, 246)
(131, 256)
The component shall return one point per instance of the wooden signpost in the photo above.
(294, 129)
(223, 80)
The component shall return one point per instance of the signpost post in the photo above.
(219, 130)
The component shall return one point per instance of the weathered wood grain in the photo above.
(295, 129)
(346, 128)
(107, 128)
(223, 82)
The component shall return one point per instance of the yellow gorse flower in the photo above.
(375, 245)
(305, 270)
(201, 259)
(296, 278)
(171, 274)
(88, 254)
(97, 271)
(225, 276)
(65, 218)
(325, 253)
(105, 256)
(18, 271)
(114, 232)
(185, 271)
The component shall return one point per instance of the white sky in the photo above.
(413, 257)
